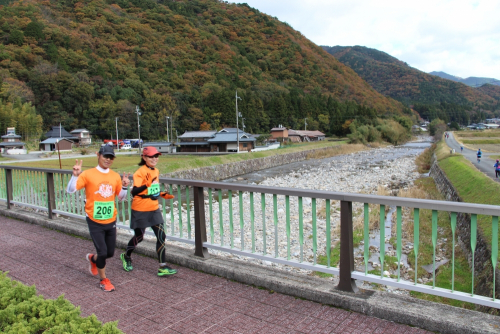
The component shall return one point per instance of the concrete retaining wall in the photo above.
(483, 271)
(220, 172)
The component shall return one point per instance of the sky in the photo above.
(459, 37)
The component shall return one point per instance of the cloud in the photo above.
(459, 37)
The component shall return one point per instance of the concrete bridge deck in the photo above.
(189, 302)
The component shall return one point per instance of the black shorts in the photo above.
(104, 238)
(144, 219)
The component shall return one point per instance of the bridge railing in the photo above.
(292, 227)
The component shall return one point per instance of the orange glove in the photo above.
(166, 195)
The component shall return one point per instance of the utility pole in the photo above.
(167, 118)
(59, 152)
(117, 143)
(305, 124)
(243, 124)
(237, 126)
(138, 126)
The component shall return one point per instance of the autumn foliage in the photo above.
(84, 63)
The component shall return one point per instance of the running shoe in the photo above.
(126, 262)
(166, 270)
(92, 265)
(106, 285)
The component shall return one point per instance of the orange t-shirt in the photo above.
(144, 176)
(100, 189)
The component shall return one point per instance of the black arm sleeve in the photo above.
(137, 190)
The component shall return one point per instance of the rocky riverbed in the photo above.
(391, 168)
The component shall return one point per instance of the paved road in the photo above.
(36, 157)
(189, 302)
(486, 164)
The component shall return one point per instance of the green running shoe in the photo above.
(126, 262)
(166, 270)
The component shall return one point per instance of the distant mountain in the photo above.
(395, 78)
(491, 90)
(470, 81)
(446, 76)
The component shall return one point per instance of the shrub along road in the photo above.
(486, 164)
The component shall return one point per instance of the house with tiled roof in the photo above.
(11, 143)
(304, 135)
(225, 140)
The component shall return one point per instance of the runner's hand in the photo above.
(125, 180)
(77, 168)
(166, 195)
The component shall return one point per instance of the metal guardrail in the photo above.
(200, 203)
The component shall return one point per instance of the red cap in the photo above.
(150, 151)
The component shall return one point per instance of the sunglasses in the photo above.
(109, 157)
(153, 156)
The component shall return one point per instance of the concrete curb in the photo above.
(401, 309)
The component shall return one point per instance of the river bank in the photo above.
(391, 168)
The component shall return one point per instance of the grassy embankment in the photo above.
(172, 163)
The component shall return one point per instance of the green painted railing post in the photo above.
(275, 208)
(124, 217)
(399, 237)
(210, 205)
(179, 208)
(301, 229)
(242, 231)
(231, 227)
(188, 212)
(287, 201)
(473, 241)
(163, 210)
(434, 243)
(328, 233)
(416, 238)
(382, 239)
(315, 233)
(221, 219)
(252, 221)
(494, 249)
(453, 228)
(172, 223)
(264, 235)
(346, 267)
(366, 236)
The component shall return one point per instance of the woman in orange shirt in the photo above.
(101, 185)
(145, 210)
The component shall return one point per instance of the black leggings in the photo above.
(139, 236)
(104, 238)
(497, 172)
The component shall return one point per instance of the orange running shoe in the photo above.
(92, 265)
(106, 285)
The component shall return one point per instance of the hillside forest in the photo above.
(85, 63)
(431, 96)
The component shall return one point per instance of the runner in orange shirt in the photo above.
(101, 185)
(146, 212)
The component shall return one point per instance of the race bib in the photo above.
(104, 210)
(154, 189)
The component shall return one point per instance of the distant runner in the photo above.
(478, 154)
(101, 185)
(146, 212)
(461, 149)
(497, 168)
